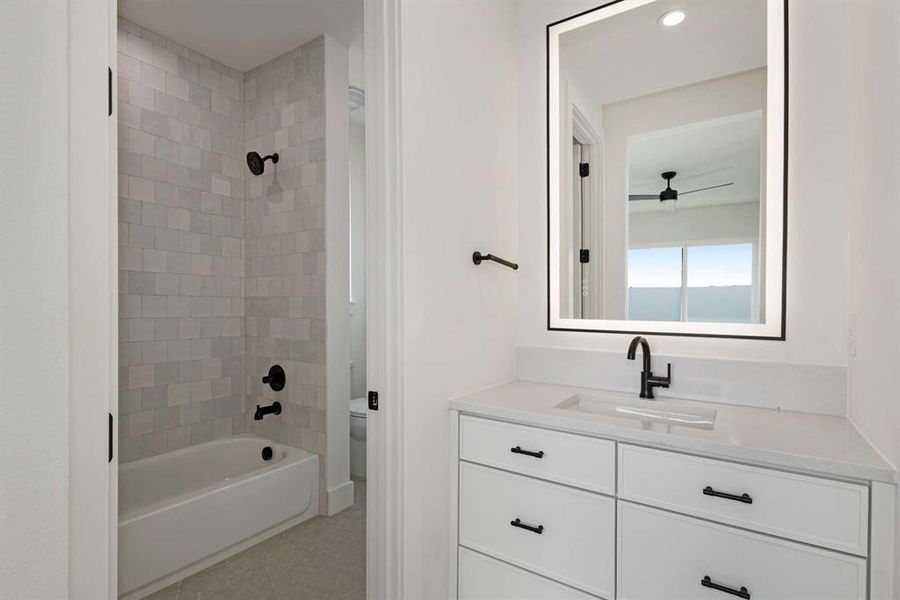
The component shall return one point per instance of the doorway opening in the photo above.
(237, 277)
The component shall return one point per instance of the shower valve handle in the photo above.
(276, 378)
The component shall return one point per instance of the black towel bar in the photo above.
(477, 257)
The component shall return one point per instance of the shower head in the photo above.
(257, 163)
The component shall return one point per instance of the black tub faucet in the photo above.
(261, 411)
(648, 380)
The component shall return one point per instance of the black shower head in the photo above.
(257, 163)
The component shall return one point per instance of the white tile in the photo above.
(128, 67)
(140, 94)
(165, 59)
(140, 376)
(178, 218)
(142, 422)
(140, 330)
(200, 390)
(178, 87)
(154, 306)
(221, 185)
(178, 394)
(138, 48)
(152, 77)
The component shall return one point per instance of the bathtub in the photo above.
(185, 510)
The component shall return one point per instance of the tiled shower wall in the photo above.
(215, 288)
(181, 229)
(285, 245)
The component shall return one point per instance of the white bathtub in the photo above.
(185, 510)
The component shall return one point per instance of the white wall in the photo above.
(818, 206)
(337, 278)
(358, 254)
(459, 195)
(875, 227)
(703, 101)
(702, 224)
(34, 341)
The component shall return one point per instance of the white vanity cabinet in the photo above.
(542, 513)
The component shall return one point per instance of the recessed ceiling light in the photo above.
(672, 18)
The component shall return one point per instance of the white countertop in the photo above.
(821, 444)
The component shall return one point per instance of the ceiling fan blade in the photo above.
(712, 187)
(643, 196)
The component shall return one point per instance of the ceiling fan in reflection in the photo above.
(668, 194)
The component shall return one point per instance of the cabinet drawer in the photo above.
(553, 530)
(483, 578)
(817, 511)
(664, 555)
(575, 460)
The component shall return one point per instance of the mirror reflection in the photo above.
(662, 119)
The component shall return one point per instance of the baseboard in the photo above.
(339, 498)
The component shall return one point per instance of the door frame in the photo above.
(93, 299)
(94, 241)
(592, 142)
(384, 309)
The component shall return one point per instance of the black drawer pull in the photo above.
(745, 498)
(517, 523)
(742, 593)
(518, 450)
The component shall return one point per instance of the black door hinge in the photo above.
(584, 169)
(109, 91)
(584, 255)
(110, 437)
(373, 400)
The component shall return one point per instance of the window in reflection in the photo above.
(710, 283)
(655, 284)
(720, 283)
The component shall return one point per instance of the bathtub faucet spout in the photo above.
(261, 411)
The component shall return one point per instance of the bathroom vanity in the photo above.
(570, 493)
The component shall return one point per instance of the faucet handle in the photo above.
(276, 378)
(657, 381)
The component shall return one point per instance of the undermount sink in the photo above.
(649, 412)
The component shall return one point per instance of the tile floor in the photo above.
(320, 559)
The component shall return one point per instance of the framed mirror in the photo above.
(667, 168)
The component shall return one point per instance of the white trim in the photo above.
(113, 124)
(339, 498)
(337, 272)
(93, 301)
(453, 515)
(595, 143)
(774, 201)
(882, 516)
(385, 439)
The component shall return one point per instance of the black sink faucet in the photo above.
(648, 380)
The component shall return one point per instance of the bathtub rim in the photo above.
(291, 456)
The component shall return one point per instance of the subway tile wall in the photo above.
(181, 246)
(285, 245)
(221, 273)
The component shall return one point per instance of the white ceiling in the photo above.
(703, 154)
(247, 33)
(631, 54)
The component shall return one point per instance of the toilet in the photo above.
(358, 410)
